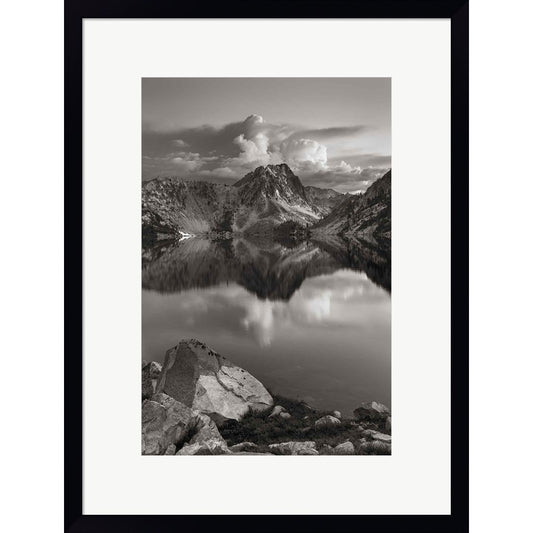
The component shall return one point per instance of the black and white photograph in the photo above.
(266, 266)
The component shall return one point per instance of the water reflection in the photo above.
(266, 268)
(311, 321)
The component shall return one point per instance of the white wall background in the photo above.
(501, 261)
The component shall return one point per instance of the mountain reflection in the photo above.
(268, 269)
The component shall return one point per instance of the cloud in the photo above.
(345, 178)
(304, 152)
(179, 143)
(333, 133)
(220, 172)
(230, 151)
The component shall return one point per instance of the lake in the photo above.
(310, 320)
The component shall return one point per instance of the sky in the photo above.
(332, 132)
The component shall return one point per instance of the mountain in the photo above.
(170, 206)
(323, 199)
(254, 205)
(366, 216)
(270, 196)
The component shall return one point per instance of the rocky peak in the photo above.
(272, 181)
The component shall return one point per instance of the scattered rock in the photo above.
(327, 420)
(200, 378)
(325, 449)
(371, 411)
(337, 414)
(376, 447)
(206, 447)
(150, 373)
(294, 448)
(285, 415)
(388, 424)
(243, 447)
(252, 453)
(277, 411)
(370, 434)
(346, 448)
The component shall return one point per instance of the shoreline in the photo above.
(200, 403)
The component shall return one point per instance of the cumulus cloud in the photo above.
(230, 151)
(300, 152)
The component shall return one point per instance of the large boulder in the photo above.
(150, 373)
(169, 425)
(207, 382)
(371, 412)
(327, 420)
(164, 422)
(294, 448)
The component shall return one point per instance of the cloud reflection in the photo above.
(333, 301)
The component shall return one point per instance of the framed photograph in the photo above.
(267, 266)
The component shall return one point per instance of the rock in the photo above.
(206, 430)
(252, 453)
(285, 415)
(164, 422)
(336, 414)
(388, 424)
(167, 423)
(294, 448)
(376, 447)
(171, 450)
(370, 434)
(150, 373)
(327, 420)
(346, 448)
(207, 382)
(371, 411)
(243, 447)
(207, 447)
(278, 409)
(325, 449)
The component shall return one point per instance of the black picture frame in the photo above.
(455, 10)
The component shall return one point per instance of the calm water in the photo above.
(310, 321)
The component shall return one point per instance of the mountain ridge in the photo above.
(263, 200)
(366, 216)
